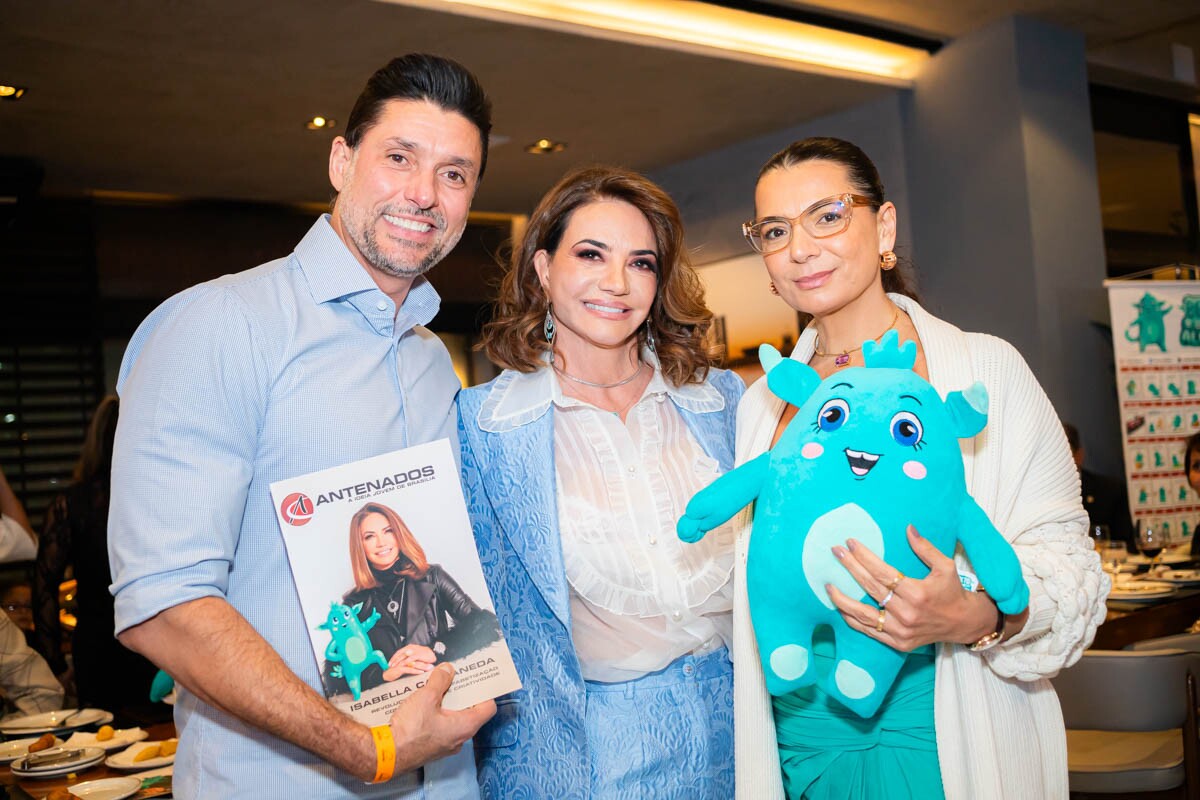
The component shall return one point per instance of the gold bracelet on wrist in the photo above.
(385, 753)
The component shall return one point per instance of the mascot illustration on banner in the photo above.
(871, 451)
(1151, 330)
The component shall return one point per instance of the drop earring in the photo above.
(649, 337)
(548, 327)
(771, 286)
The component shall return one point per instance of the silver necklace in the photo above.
(637, 371)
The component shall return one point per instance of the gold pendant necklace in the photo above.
(842, 358)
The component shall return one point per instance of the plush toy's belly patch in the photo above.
(834, 527)
(356, 651)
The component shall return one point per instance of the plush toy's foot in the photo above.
(789, 667)
(855, 688)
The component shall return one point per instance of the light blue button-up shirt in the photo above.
(295, 366)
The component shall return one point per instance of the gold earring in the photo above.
(771, 286)
(887, 259)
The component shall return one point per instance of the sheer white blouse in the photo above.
(640, 598)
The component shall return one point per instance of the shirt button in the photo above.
(632, 468)
(688, 669)
(676, 615)
(382, 306)
(653, 541)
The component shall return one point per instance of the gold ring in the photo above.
(895, 581)
(881, 620)
(887, 599)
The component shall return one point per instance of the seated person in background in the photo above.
(16, 597)
(25, 676)
(1191, 469)
(17, 542)
(1104, 499)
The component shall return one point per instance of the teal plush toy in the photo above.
(871, 451)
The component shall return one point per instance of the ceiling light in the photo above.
(11, 92)
(543, 146)
(706, 29)
(320, 123)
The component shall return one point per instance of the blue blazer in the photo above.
(536, 746)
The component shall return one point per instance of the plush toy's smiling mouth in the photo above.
(860, 462)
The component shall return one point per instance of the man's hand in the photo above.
(424, 731)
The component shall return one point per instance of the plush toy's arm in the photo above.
(723, 498)
(993, 558)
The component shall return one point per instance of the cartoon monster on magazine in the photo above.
(351, 648)
(871, 450)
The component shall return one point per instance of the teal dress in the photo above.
(828, 752)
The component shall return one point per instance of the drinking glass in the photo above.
(1151, 542)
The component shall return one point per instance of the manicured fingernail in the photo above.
(913, 532)
(839, 551)
(851, 544)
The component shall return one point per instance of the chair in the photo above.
(1180, 641)
(1131, 721)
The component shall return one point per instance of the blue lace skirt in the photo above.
(828, 752)
(667, 735)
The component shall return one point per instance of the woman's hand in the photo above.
(412, 659)
(935, 608)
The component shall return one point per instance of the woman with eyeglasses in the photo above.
(971, 715)
(577, 462)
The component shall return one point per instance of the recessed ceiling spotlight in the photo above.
(320, 123)
(11, 92)
(543, 146)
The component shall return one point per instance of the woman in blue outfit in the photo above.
(577, 461)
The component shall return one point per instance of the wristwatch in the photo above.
(992, 639)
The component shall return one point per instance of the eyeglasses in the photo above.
(822, 219)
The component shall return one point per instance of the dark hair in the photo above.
(420, 76)
(415, 564)
(864, 178)
(679, 318)
(1193, 444)
(1072, 436)
(95, 459)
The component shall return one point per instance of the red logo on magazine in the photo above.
(296, 509)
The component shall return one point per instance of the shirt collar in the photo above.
(518, 398)
(333, 273)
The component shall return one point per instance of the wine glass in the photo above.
(1151, 542)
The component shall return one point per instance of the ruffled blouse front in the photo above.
(640, 598)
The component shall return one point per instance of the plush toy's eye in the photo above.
(906, 428)
(833, 414)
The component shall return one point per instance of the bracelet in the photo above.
(385, 753)
(992, 639)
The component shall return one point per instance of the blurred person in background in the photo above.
(1104, 499)
(17, 542)
(106, 674)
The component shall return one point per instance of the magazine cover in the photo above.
(389, 580)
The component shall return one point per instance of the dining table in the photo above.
(20, 788)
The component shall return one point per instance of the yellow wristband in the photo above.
(385, 753)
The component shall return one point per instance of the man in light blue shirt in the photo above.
(300, 364)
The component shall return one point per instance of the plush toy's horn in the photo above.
(968, 410)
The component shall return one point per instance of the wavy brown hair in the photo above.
(679, 318)
(410, 550)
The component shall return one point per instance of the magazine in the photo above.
(390, 583)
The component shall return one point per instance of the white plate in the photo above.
(1180, 577)
(121, 738)
(1137, 591)
(1165, 558)
(124, 759)
(107, 788)
(15, 748)
(52, 721)
(88, 758)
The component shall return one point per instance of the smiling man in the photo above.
(315, 360)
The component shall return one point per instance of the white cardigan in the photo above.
(998, 723)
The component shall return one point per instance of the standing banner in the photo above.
(1156, 348)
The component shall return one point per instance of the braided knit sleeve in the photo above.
(1023, 466)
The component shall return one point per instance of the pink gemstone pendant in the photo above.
(842, 360)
